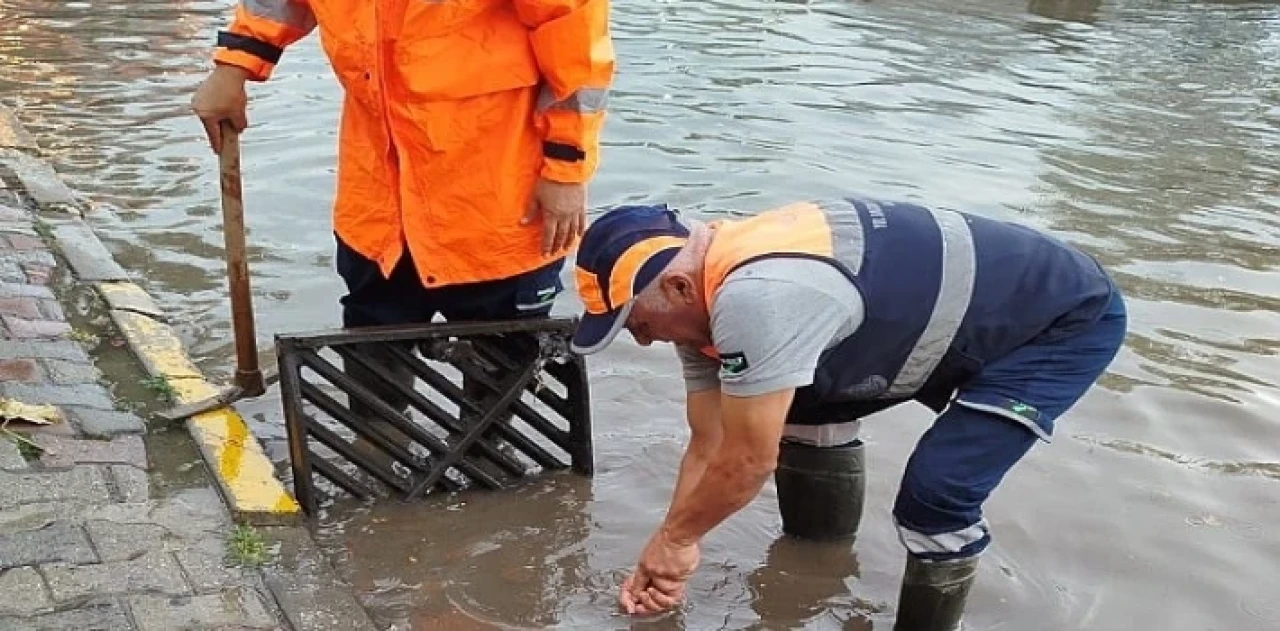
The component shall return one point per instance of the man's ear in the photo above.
(680, 289)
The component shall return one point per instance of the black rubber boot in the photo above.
(378, 353)
(519, 348)
(821, 489)
(933, 594)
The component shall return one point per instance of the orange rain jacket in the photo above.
(453, 109)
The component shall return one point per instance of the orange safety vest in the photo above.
(453, 109)
(799, 228)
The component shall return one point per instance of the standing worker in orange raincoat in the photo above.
(470, 129)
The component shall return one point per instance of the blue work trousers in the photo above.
(990, 425)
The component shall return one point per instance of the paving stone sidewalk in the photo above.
(84, 544)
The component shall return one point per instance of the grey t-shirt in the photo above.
(770, 321)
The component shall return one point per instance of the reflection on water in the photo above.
(448, 569)
(1083, 11)
(809, 581)
(1146, 131)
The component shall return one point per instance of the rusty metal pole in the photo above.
(248, 375)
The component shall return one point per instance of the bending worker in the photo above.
(796, 323)
(469, 133)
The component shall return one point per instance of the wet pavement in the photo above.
(84, 541)
(1146, 131)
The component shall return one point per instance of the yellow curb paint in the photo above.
(128, 297)
(156, 345)
(242, 469)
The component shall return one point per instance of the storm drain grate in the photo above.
(408, 410)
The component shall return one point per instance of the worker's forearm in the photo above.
(724, 488)
(692, 467)
(702, 412)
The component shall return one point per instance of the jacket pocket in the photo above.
(483, 54)
(472, 91)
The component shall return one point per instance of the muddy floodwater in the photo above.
(1146, 131)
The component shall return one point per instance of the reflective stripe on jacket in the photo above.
(944, 292)
(453, 109)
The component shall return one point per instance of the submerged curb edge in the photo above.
(243, 473)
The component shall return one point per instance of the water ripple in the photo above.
(1146, 131)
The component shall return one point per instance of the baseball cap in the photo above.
(619, 255)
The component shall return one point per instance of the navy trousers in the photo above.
(992, 423)
(373, 300)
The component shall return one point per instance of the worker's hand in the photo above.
(220, 97)
(564, 213)
(658, 582)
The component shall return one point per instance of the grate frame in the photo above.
(501, 361)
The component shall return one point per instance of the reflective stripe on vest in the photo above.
(955, 291)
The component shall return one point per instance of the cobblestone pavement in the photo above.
(84, 543)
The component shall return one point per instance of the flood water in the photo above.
(1146, 131)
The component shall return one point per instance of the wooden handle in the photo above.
(248, 375)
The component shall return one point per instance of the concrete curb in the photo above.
(243, 472)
